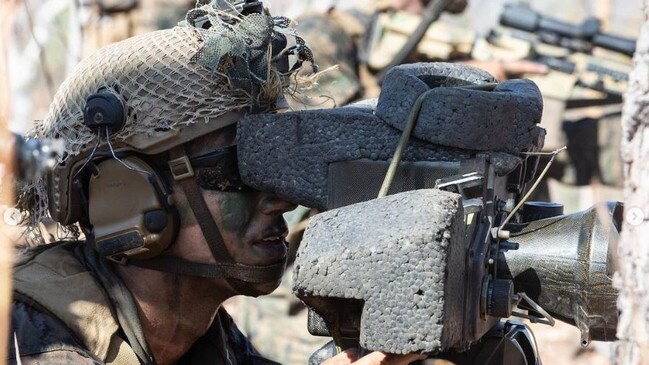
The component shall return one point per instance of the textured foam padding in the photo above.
(504, 119)
(403, 85)
(289, 154)
(406, 264)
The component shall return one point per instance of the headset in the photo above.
(130, 216)
(129, 209)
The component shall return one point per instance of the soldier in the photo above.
(341, 34)
(149, 176)
(584, 118)
(109, 21)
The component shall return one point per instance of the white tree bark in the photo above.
(633, 277)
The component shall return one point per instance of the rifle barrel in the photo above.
(523, 17)
(615, 43)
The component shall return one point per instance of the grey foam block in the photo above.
(403, 85)
(289, 154)
(406, 264)
(504, 119)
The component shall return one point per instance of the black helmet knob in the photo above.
(104, 110)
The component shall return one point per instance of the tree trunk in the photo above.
(633, 277)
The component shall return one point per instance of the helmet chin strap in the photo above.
(240, 277)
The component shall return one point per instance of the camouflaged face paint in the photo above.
(237, 210)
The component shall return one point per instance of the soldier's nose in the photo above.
(271, 204)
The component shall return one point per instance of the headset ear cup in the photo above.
(131, 211)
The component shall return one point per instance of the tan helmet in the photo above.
(147, 96)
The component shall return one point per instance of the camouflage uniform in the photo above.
(593, 135)
(335, 51)
(591, 170)
(111, 21)
(72, 299)
(65, 332)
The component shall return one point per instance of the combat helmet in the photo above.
(148, 96)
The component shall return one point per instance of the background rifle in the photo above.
(429, 15)
(577, 54)
(391, 30)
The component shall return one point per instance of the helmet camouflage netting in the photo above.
(170, 79)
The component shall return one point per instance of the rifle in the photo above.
(390, 31)
(581, 55)
(33, 157)
(430, 14)
(454, 249)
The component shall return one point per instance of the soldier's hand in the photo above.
(375, 358)
(503, 70)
